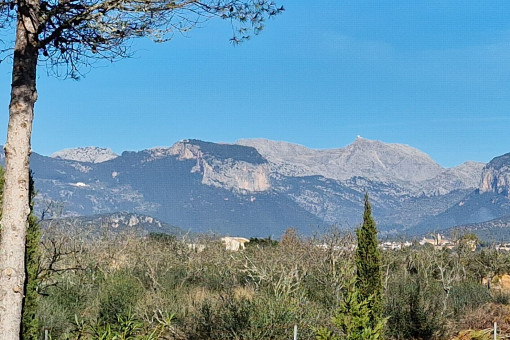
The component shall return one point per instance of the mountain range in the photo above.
(259, 187)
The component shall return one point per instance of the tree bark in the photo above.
(15, 209)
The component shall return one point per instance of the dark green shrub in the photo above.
(500, 297)
(413, 308)
(465, 296)
(262, 242)
(118, 297)
(60, 306)
(162, 238)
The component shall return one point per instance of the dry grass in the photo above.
(479, 323)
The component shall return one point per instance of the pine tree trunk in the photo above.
(15, 209)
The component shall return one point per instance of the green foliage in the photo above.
(228, 318)
(502, 298)
(354, 320)
(129, 285)
(413, 307)
(360, 314)
(468, 295)
(30, 327)
(30, 322)
(368, 263)
(162, 237)
(118, 297)
(260, 293)
(262, 242)
(125, 328)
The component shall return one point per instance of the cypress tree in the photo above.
(354, 319)
(359, 317)
(368, 264)
(30, 327)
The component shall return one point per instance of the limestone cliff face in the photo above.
(462, 177)
(496, 176)
(390, 164)
(239, 176)
(373, 160)
(243, 170)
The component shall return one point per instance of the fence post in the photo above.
(495, 331)
(295, 332)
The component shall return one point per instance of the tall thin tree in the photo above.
(64, 36)
(368, 263)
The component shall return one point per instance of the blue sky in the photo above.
(431, 74)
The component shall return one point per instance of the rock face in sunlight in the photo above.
(259, 187)
(397, 164)
(243, 171)
(496, 176)
(89, 154)
(373, 160)
(484, 210)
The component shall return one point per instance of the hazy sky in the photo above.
(431, 74)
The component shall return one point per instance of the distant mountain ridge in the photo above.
(489, 201)
(114, 222)
(374, 160)
(258, 187)
(496, 176)
(89, 154)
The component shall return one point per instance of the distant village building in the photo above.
(234, 243)
(393, 245)
(438, 241)
(325, 246)
(197, 247)
(503, 247)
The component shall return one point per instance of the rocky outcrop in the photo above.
(398, 164)
(227, 166)
(89, 154)
(462, 177)
(238, 176)
(373, 160)
(496, 176)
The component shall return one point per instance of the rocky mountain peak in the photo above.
(390, 161)
(182, 149)
(91, 154)
(230, 166)
(496, 176)
(367, 158)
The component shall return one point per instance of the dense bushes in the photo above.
(129, 287)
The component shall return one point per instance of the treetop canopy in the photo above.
(75, 33)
